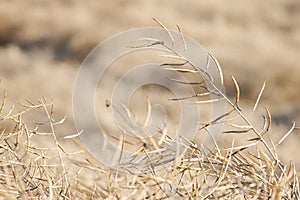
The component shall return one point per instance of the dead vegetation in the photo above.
(35, 162)
(31, 169)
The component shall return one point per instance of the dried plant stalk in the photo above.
(30, 169)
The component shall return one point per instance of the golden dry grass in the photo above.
(42, 43)
(32, 170)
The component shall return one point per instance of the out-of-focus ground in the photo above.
(42, 44)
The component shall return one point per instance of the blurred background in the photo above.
(43, 43)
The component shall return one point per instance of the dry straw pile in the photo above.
(30, 169)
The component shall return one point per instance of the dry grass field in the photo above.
(42, 45)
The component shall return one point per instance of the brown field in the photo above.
(43, 43)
